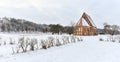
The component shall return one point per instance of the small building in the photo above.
(84, 30)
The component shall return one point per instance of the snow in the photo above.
(88, 50)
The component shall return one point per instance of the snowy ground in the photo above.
(91, 49)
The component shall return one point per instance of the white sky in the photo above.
(62, 11)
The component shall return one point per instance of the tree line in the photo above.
(21, 25)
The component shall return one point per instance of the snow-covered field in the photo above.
(91, 49)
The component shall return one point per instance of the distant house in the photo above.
(84, 30)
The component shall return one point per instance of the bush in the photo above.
(32, 44)
(73, 39)
(58, 43)
(79, 39)
(51, 41)
(44, 44)
(100, 39)
(23, 44)
(27, 44)
(65, 40)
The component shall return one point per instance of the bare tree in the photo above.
(72, 24)
(114, 28)
(106, 28)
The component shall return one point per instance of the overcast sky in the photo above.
(62, 11)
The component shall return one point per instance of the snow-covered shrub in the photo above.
(4, 43)
(101, 39)
(65, 40)
(32, 44)
(51, 41)
(79, 39)
(58, 43)
(23, 44)
(11, 42)
(28, 44)
(44, 44)
(73, 39)
(111, 38)
(117, 38)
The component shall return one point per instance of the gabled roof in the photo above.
(87, 19)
